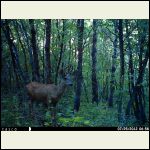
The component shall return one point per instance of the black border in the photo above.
(141, 128)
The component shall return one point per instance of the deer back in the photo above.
(38, 91)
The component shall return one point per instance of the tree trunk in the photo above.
(94, 61)
(47, 51)
(36, 76)
(120, 28)
(113, 69)
(43, 59)
(139, 92)
(61, 49)
(130, 73)
(80, 27)
(14, 55)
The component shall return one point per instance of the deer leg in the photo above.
(31, 109)
(51, 108)
(52, 116)
(55, 122)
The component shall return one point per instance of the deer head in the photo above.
(65, 75)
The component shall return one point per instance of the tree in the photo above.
(16, 26)
(130, 70)
(47, 50)
(61, 46)
(14, 55)
(80, 27)
(94, 61)
(138, 91)
(113, 68)
(120, 28)
(36, 76)
(24, 33)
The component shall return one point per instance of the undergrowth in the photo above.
(14, 114)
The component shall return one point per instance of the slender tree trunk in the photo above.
(80, 27)
(47, 51)
(113, 69)
(130, 73)
(43, 59)
(36, 76)
(61, 50)
(94, 61)
(70, 50)
(10, 77)
(120, 28)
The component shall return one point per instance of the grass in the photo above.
(89, 115)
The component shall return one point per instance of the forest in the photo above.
(74, 72)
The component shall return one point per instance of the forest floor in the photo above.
(90, 115)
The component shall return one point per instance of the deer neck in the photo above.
(61, 88)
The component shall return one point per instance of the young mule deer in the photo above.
(48, 94)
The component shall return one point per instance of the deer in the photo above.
(48, 94)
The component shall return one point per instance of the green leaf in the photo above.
(78, 119)
(87, 122)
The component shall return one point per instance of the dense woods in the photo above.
(105, 61)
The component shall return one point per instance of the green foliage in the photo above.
(47, 122)
(90, 115)
(10, 113)
(72, 122)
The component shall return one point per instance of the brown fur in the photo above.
(45, 93)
